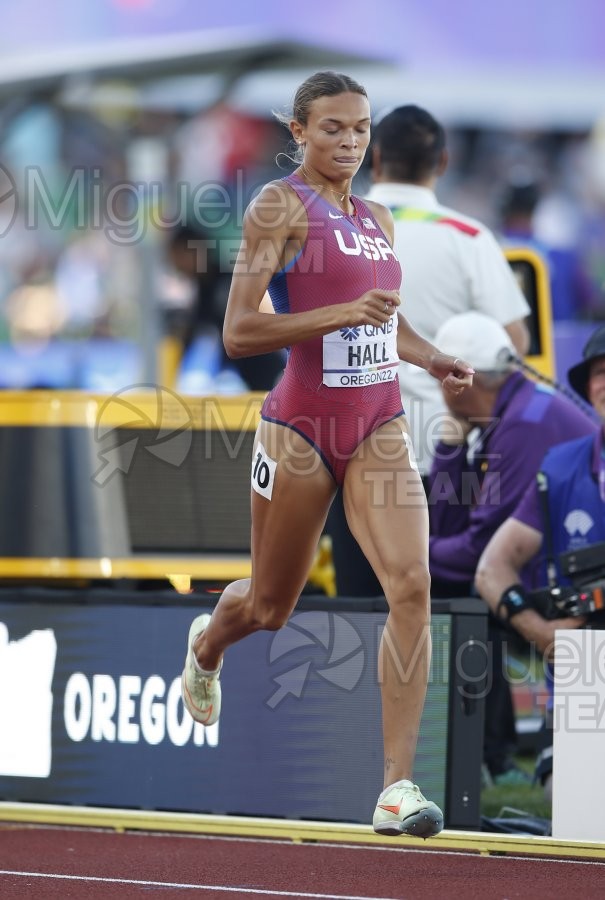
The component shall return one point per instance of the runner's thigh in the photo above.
(288, 518)
(385, 502)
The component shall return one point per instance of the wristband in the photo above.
(513, 601)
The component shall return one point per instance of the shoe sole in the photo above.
(423, 824)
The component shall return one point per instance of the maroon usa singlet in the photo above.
(337, 388)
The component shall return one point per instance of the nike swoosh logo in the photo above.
(332, 216)
(391, 809)
(207, 712)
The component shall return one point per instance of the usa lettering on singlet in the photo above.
(361, 355)
(355, 257)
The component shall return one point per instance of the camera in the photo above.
(585, 596)
(559, 602)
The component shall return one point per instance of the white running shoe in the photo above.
(201, 693)
(401, 809)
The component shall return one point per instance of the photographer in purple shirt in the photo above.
(569, 516)
(490, 450)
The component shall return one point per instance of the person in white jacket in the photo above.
(451, 262)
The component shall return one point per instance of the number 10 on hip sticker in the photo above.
(263, 472)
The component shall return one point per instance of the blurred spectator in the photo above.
(194, 253)
(35, 313)
(79, 280)
(517, 207)
(568, 287)
(218, 142)
(591, 241)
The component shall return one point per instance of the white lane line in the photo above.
(471, 854)
(265, 892)
(329, 845)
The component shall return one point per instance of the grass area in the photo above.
(526, 676)
(528, 798)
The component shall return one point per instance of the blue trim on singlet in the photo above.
(278, 285)
(289, 265)
(396, 416)
(317, 449)
(278, 291)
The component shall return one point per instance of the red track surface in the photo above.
(86, 863)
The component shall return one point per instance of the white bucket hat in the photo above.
(477, 339)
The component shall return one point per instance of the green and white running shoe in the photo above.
(402, 809)
(201, 691)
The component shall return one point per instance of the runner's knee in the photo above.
(268, 616)
(409, 585)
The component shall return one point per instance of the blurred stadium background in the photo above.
(118, 116)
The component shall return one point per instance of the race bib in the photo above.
(263, 472)
(361, 355)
